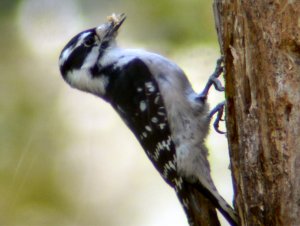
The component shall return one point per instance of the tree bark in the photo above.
(260, 40)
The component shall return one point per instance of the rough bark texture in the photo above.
(260, 40)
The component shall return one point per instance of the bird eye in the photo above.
(104, 44)
(89, 41)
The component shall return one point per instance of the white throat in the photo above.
(82, 79)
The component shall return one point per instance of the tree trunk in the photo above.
(260, 40)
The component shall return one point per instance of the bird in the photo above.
(155, 99)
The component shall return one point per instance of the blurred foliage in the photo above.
(31, 130)
(177, 22)
(8, 6)
(166, 22)
(28, 144)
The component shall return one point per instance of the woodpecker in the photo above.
(156, 101)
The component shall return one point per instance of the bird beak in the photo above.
(116, 21)
(110, 28)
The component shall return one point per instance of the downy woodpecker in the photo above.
(155, 99)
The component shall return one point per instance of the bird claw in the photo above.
(219, 110)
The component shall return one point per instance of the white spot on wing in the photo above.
(157, 98)
(185, 203)
(178, 183)
(148, 128)
(161, 113)
(144, 134)
(143, 106)
(162, 146)
(150, 87)
(162, 126)
(169, 166)
(120, 109)
(154, 120)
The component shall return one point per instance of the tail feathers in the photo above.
(199, 209)
(218, 201)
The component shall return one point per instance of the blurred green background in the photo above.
(65, 156)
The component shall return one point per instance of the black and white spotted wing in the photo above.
(135, 96)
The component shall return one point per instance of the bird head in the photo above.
(84, 50)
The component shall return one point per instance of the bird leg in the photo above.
(213, 80)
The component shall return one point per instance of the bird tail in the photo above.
(225, 209)
(200, 206)
(199, 209)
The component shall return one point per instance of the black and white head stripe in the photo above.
(81, 56)
(76, 51)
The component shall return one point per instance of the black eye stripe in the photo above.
(89, 40)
